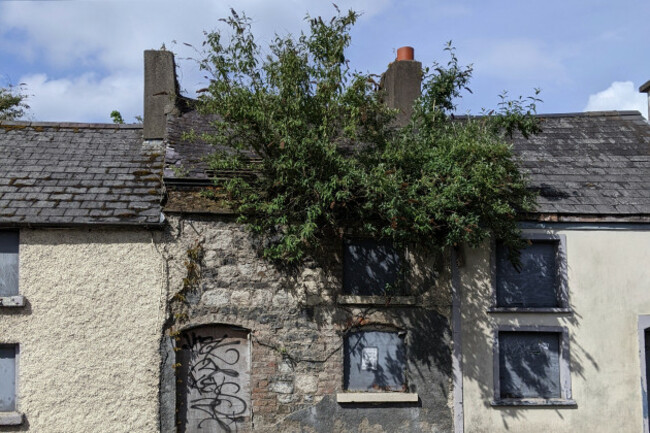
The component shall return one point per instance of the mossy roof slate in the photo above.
(62, 174)
(584, 165)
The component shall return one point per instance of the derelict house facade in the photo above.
(80, 278)
(256, 348)
(130, 302)
(562, 346)
(482, 347)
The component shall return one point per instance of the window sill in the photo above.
(534, 402)
(377, 397)
(531, 310)
(386, 301)
(11, 418)
(12, 301)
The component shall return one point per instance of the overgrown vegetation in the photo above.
(117, 118)
(13, 102)
(332, 158)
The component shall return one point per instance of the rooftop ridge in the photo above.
(71, 125)
(610, 113)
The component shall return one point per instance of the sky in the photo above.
(81, 59)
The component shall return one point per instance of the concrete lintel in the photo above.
(535, 402)
(377, 397)
(12, 301)
(385, 301)
(529, 310)
(11, 418)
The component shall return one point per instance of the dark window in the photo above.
(536, 284)
(8, 263)
(529, 365)
(7, 378)
(374, 361)
(370, 267)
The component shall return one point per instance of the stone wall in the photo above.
(296, 329)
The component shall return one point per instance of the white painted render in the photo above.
(89, 332)
(609, 288)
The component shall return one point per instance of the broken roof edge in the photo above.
(86, 225)
(27, 124)
(608, 113)
(586, 218)
(645, 87)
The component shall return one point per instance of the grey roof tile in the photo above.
(581, 163)
(600, 159)
(63, 173)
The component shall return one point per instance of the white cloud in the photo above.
(90, 53)
(520, 59)
(113, 34)
(621, 95)
(84, 98)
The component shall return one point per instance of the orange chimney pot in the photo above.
(405, 53)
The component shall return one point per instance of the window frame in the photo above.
(562, 287)
(565, 399)
(16, 300)
(643, 325)
(377, 396)
(13, 417)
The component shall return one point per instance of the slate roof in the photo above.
(64, 174)
(183, 157)
(592, 166)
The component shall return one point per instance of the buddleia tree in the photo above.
(312, 150)
(12, 103)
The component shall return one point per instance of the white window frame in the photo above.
(15, 300)
(565, 399)
(14, 417)
(563, 278)
(643, 324)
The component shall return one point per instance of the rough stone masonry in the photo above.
(294, 323)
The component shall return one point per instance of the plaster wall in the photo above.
(89, 333)
(609, 287)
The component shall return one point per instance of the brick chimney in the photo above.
(402, 84)
(160, 92)
(646, 89)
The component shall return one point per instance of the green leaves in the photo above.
(332, 158)
(12, 102)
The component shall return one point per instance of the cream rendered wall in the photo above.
(609, 287)
(89, 336)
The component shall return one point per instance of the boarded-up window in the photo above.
(370, 267)
(529, 365)
(213, 391)
(375, 361)
(7, 378)
(8, 263)
(536, 285)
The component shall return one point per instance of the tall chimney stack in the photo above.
(160, 90)
(402, 84)
(646, 89)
